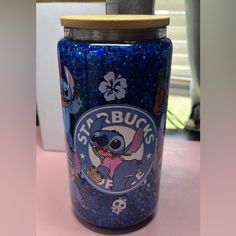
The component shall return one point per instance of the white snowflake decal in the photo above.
(118, 205)
(113, 87)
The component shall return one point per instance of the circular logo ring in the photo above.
(115, 145)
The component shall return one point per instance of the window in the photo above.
(180, 74)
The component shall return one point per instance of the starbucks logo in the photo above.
(115, 145)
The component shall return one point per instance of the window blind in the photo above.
(180, 71)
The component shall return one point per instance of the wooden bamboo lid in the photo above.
(115, 21)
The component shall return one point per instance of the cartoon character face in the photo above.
(118, 205)
(67, 88)
(107, 143)
(66, 94)
(110, 143)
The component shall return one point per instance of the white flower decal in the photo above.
(113, 87)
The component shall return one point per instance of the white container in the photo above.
(49, 32)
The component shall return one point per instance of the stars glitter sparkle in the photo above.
(82, 156)
(149, 156)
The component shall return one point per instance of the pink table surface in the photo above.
(178, 212)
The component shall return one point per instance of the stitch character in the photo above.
(69, 104)
(109, 146)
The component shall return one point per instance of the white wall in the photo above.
(49, 32)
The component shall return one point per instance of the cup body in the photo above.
(114, 102)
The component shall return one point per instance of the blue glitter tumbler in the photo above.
(114, 76)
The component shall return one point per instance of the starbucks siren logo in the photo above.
(115, 145)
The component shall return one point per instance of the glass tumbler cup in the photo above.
(114, 77)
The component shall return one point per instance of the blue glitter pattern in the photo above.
(146, 67)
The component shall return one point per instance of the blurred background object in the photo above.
(184, 101)
(193, 34)
(130, 7)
